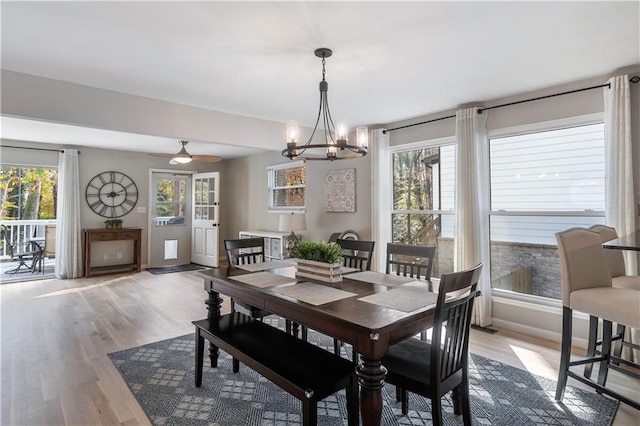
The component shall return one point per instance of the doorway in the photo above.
(28, 197)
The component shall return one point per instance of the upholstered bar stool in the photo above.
(587, 288)
(619, 278)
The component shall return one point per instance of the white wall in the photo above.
(245, 197)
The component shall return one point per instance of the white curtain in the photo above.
(380, 196)
(620, 202)
(471, 237)
(68, 234)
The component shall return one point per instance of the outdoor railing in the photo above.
(20, 231)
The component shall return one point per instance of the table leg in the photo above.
(214, 303)
(371, 374)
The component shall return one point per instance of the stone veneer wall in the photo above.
(507, 257)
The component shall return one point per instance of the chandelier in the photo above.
(336, 146)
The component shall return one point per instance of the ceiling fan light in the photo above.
(182, 158)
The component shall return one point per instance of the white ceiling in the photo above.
(392, 60)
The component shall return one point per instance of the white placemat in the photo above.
(263, 266)
(313, 294)
(405, 299)
(373, 277)
(348, 270)
(262, 279)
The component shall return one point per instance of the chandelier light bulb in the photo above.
(292, 131)
(342, 131)
(362, 136)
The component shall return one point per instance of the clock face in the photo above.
(111, 194)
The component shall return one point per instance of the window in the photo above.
(28, 193)
(170, 199)
(423, 200)
(28, 201)
(286, 184)
(542, 183)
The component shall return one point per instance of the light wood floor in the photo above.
(56, 334)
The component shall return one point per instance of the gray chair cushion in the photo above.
(619, 305)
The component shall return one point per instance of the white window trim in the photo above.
(532, 302)
(544, 126)
(270, 187)
(449, 140)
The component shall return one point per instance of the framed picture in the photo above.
(340, 191)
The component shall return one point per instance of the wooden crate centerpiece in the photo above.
(318, 260)
(321, 271)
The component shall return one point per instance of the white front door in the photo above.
(204, 225)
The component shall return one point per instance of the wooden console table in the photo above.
(119, 234)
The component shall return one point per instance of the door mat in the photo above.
(178, 268)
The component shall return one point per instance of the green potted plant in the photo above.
(318, 260)
(113, 223)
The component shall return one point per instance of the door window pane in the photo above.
(170, 202)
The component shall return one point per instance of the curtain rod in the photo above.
(634, 79)
(36, 149)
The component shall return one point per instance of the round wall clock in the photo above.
(111, 194)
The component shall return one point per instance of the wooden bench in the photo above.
(300, 368)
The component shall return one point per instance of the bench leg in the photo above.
(214, 303)
(309, 412)
(199, 357)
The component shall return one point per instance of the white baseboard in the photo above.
(541, 321)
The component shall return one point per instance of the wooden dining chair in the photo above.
(620, 279)
(411, 261)
(433, 369)
(244, 251)
(356, 253)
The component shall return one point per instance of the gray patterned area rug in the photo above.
(161, 376)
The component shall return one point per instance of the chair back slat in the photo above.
(450, 339)
(244, 251)
(357, 253)
(410, 260)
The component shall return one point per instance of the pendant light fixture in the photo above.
(336, 146)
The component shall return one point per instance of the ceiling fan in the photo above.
(183, 157)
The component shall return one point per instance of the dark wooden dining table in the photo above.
(369, 327)
(625, 242)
